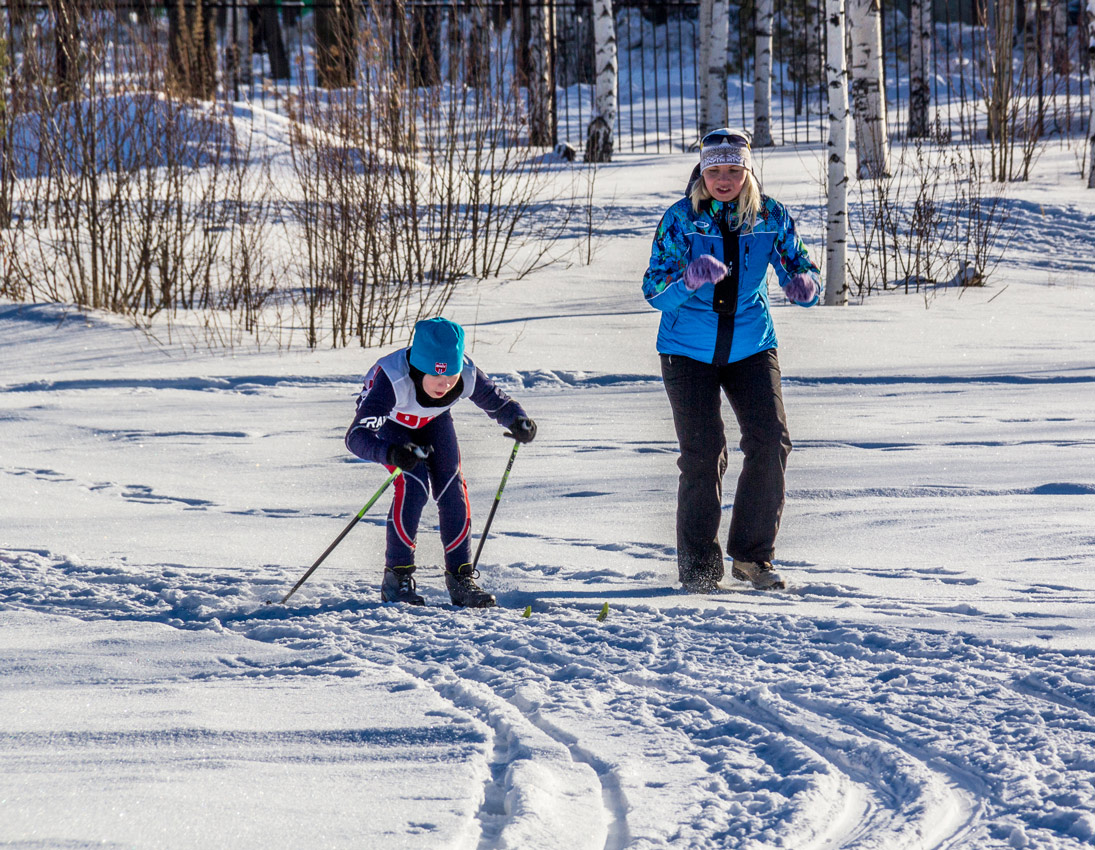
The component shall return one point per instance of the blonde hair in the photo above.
(748, 200)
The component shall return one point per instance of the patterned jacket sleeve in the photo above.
(373, 407)
(790, 256)
(663, 283)
(493, 401)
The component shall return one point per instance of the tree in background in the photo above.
(762, 77)
(1062, 64)
(868, 95)
(1000, 51)
(1038, 52)
(268, 39)
(336, 44)
(477, 47)
(599, 137)
(190, 54)
(541, 36)
(574, 53)
(66, 36)
(425, 45)
(715, 23)
(921, 29)
(238, 53)
(1091, 101)
(836, 226)
(6, 175)
(799, 30)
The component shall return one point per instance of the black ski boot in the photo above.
(398, 586)
(464, 591)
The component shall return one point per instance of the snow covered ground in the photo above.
(927, 680)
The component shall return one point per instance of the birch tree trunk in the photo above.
(762, 77)
(868, 96)
(1091, 100)
(599, 138)
(1037, 38)
(240, 60)
(477, 55)
(703, 25)
(541, 127)
(6, 164)
(920, 63)
(1062, 63)
(836, 224)
(713, 110)
(1001, 88)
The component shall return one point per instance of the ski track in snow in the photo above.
(772, 729)
(867, 727)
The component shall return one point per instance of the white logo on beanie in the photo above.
(725, 155)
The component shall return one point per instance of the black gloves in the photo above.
(407, 455)
(523, 430)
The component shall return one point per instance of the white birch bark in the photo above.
(599, 140)
(704, 59)
(539, 80)
(1091, 100)
(920, 63)
(762, 77)
(713, 112)
(868, 96)
(836, 224)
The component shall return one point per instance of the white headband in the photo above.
(726, 154)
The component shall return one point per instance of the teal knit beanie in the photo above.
(438, 347)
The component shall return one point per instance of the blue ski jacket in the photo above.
(742, 326)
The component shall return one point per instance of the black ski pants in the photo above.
(753, 389)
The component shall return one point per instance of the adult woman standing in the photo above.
(708, 276)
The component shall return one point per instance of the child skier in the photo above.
(403, 420)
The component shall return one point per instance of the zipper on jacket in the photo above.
(725, 301)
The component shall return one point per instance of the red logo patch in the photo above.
(439, 368)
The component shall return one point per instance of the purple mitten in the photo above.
(803, 288)
(703, 269)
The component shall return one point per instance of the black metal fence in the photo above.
(268, 52)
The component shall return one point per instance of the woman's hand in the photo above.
(803, 288)
(704, 269)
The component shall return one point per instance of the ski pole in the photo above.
(494, 507)
(338, 539)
